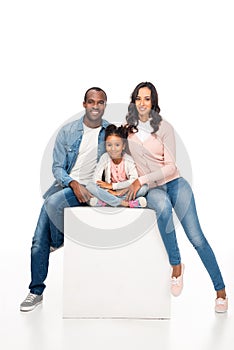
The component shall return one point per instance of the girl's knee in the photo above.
(143, 191)
(91, 186)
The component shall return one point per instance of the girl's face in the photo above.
(143, 103)
(115, 146)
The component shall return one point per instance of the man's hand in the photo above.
(81, 193)
(132, 190)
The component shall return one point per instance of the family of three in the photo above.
(139, 167)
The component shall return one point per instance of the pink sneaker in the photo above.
(177, 283)
(221, 305)
(139, 202)
(95, 202)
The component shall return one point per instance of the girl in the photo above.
(119, 172)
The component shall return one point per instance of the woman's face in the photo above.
(114, 146)
(143, 103)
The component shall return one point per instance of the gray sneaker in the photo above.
(31, 302)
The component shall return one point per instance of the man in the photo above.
(77, 149)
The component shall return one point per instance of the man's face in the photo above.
(95, 105)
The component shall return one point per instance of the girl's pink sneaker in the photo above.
(95, 202)
(139, 202)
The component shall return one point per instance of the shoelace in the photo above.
(30, 298)
(175, 281)
(220, 301)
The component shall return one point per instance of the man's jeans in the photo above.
(49, 232)
(178, 194)
(110, 199)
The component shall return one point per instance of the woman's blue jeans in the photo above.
(49, 232)
(110, 199)
(178, 195)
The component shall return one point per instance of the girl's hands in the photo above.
(118, 193)
(129, 191)
(104, 184)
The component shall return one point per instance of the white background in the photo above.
(53, 51)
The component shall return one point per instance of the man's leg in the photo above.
(40, 253)
(49, 231)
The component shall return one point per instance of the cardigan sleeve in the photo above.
(102, 166)
(165, 168)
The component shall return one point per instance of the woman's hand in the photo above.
(132, 190)
(104, 184)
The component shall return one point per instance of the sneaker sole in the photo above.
(221, 312)
(30, 308)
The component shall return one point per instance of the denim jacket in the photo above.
(66, 150)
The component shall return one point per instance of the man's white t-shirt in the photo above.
(86, 162)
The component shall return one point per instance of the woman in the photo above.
(152, 146)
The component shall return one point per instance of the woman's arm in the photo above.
(161, 164)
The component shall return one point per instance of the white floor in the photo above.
(193, 323)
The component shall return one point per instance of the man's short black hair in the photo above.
(96, 89)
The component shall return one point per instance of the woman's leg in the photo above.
(183, 202)
(159, 201)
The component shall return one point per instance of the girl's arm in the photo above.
(104, 184)
(102, 166)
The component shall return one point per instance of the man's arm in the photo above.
(60, 160)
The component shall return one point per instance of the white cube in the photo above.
(115, 264)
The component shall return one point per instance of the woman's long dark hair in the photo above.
(132, 117)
